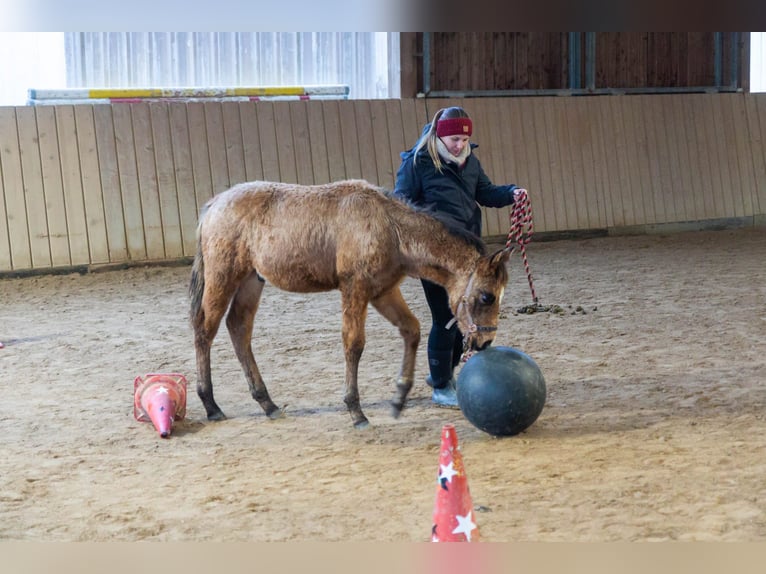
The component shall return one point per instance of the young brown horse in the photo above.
(348, 236)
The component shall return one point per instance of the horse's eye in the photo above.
(486, 298)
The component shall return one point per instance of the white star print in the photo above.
(447, 472)
(465, 525)
(163, 390)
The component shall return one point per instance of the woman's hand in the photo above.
(518, 193)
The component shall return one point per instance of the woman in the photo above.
(442, 174)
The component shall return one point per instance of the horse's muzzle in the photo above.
(475, 345)
(484, 345)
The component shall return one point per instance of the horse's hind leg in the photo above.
(239, 322)
(208, 308)
(392, 306)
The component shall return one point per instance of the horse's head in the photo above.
(478, 307)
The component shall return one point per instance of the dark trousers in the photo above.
(445, 346)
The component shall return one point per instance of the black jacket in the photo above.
(455, 193)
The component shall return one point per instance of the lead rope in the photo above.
(520, 234)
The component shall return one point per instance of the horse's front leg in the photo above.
(392, 306)
(239, 322)
(354, 316)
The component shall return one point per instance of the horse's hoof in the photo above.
(361, 425)
(396, 410)
(277, 414)
(217, 416)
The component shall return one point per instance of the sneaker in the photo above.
(446, 396)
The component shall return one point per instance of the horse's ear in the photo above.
(500, 257)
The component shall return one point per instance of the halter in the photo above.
(464, 307)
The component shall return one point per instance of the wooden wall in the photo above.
(668, 59)
(466, 62)
(88, 185)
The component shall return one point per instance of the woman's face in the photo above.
(455, 144)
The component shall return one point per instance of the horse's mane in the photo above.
(452, 227)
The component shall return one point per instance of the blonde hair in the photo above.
(428, 139)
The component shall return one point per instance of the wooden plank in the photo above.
(710, 155)
(625, 189)
(643, 200)
(756, 120)
(674, 193)
(664, 185)
(596, 172)
(412, 123)
(492, 156)
(19, 252)
(184, 176)
(71, 177)
(412, 113)
(522, 114)
(606, 137)
(216, 145)
(381, 144)
(741, 152)
(34, 195)
(519, 169)
(166, 180)
(396, 119)
(738, 152)
(699, 165)
(571, 198)
(583, 116)
(91, 184)
(681, 129)
(203, 179)
(285, 145)
(302, 148)
(130, 191)
(52, 186)
(552, 161)
(110, 178)
(433, 105)
(232, 133)
(267, 130)
(482, 137)
(5, 243)
(147, 181)
(723, 202)
(318, 142)
(579, 162)
(350, 135)
(629, 173)
(251, 144)
(366, 140)
(336, 163)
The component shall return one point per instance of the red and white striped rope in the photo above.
(521, 233)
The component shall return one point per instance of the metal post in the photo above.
(590, 60)
(734, 72)
(575, 60)
(426, 63)
(717, 59)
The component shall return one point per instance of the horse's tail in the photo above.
(197, 281)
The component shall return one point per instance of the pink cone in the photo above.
(161, 399)
(453, 519)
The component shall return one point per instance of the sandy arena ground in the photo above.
(654, 426)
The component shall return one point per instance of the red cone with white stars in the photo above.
(160, 399)
(454, 519)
